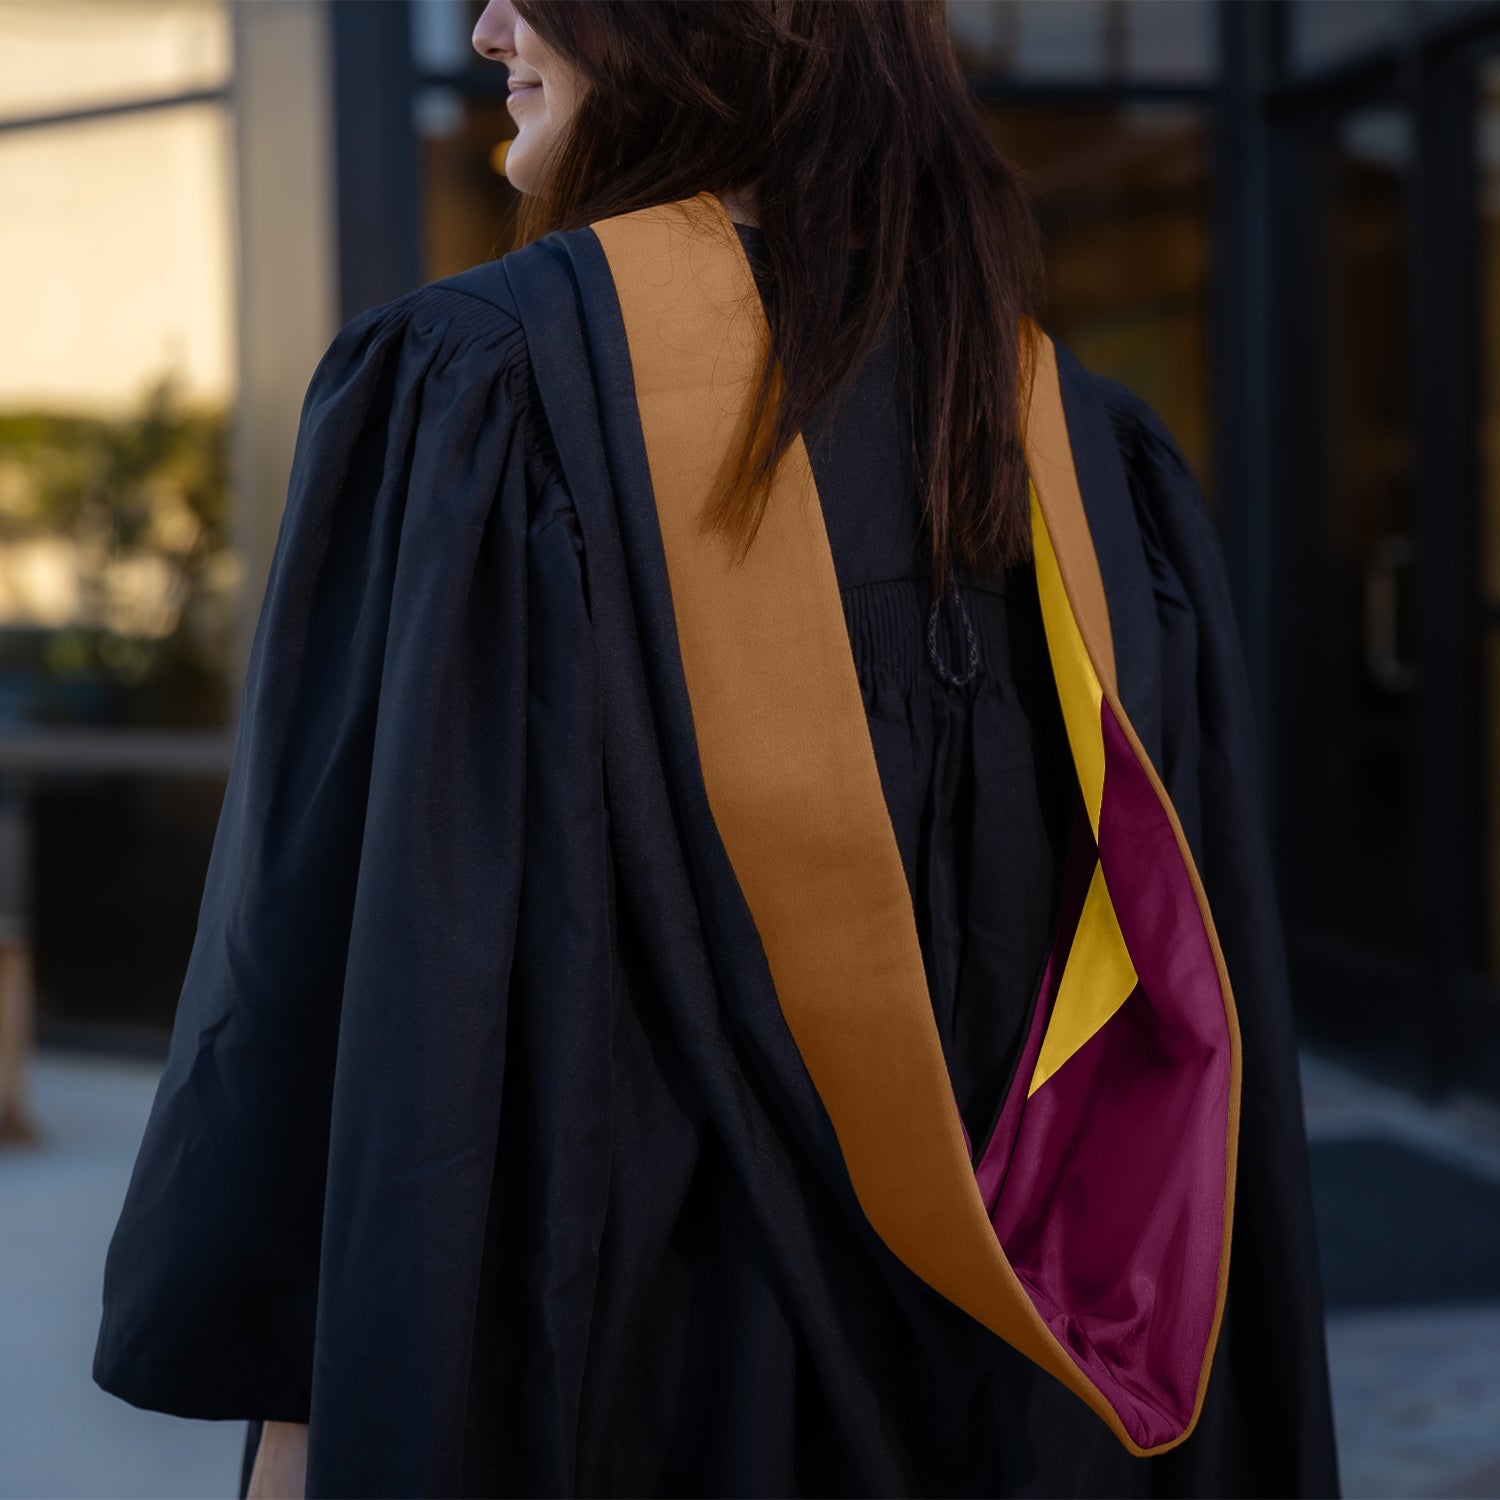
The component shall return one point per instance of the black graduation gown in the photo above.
(482, 1143)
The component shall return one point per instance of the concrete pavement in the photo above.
(1416, 1388)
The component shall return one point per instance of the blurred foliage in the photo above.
(121, 527)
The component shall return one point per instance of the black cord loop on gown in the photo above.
(934, 657)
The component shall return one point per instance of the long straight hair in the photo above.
(847, 122)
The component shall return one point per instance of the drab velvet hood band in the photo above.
(1093, 1231)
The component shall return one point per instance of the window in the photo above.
(118, 580)
(1086, 41)
(121, 589)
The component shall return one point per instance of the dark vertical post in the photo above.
(1244, 375)
(1445, 345)
(379, 198)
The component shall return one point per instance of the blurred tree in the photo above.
(118, 580)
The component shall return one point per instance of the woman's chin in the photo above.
(520, 170)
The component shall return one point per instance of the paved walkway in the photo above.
(1417, 1390)
(60, 1435)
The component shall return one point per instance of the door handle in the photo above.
(1388, 669)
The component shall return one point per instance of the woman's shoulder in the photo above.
(479, 303)
(462, 316)
(1154, 459)
(439, 362)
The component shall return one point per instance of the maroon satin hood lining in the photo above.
(1106, 1187)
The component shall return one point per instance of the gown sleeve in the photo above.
(334, 1069)
(1267, 1423)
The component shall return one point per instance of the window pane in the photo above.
(469, 205)
(117, 578)
(1358, 698)
(1325, 32)
(1080, 40)
(74, 54)
(440, 35)
(1167, 39)
(1436, 11)
(1124, 203)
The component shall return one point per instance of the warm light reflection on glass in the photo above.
(115, 259)
(118, 581)
(58, 55)
(1124, 199)
(469, 208)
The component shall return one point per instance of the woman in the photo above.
(739, 954)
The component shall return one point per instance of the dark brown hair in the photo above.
(838, 121)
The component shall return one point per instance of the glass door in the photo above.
(1388, 580)
(1349, 689)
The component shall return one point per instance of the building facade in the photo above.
(1278, 220)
